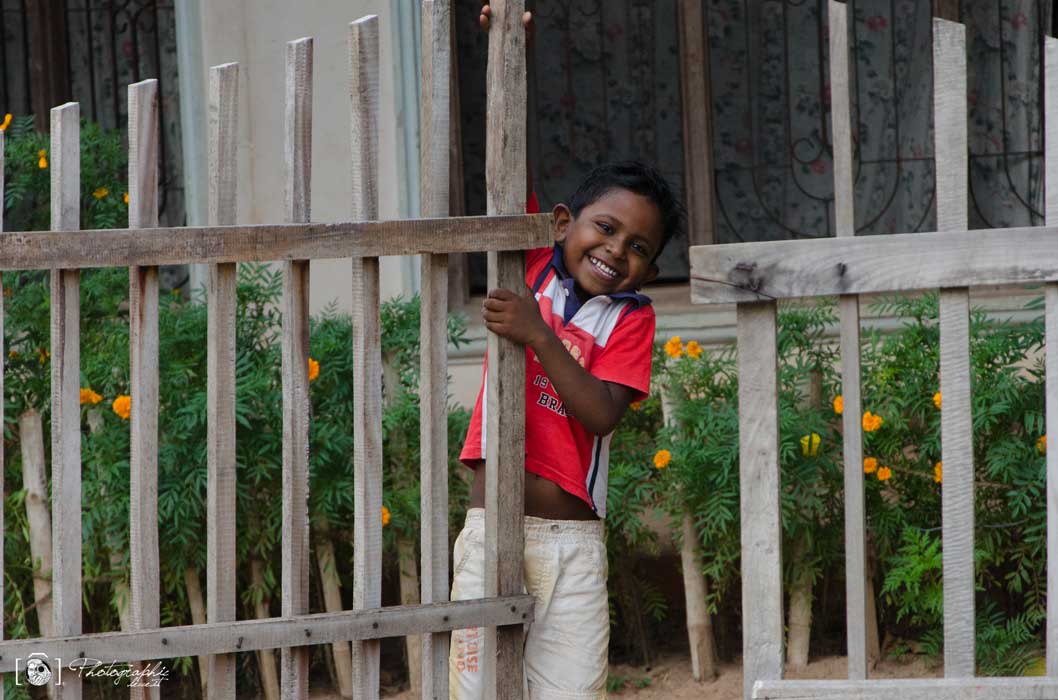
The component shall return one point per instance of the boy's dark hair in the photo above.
(639, 178)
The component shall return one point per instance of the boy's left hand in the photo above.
(516, 318)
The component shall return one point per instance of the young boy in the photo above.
(589, 336)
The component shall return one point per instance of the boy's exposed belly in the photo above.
(543, 498)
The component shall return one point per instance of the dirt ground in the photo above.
(670, 678)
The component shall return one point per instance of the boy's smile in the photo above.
(611, 246)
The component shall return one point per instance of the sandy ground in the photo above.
(670, 678)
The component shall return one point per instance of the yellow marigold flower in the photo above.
(89, 396)
(1041, 445)
(839, 404)
(810, 445)
(385, 516)
(674, 348)
(123, 406)
(6, 123)
(42, 163)
(314, 369)
(936, 399)
(100, 192)
(12, 354)
(694, 349)
(870, 465)
(126, 198)
(885, 473)
(938, 471)
(871, 422)
(43, 355)
(636, 405)
(662, 459)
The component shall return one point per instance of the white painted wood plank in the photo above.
(367, 353)
(271, 633)
(918, 689)
(294, 662)
(143, 370)
(505, 391)
(433, 337)
(849, 310)
(220, 382)
(1050, 164)
(66, 387)
(957, 495)
(758, 420)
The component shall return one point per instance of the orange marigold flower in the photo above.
(870, 465)
(89, 396)
(43, 355)
(123, 406)
(674, 348)
(662, 459)
(314, 369)
(43, 162)
(871, 422)
(810, 445)
(126, 198)
(6, 123)
(885, 473)
(839, 404)
(100, 192)
(694, 349)
(385, 516)
(636, 405)
(1041, 445)
(936, 399)
(12, 354)
(938, 471)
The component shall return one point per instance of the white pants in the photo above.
(566, 645)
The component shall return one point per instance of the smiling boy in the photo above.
(589, 337)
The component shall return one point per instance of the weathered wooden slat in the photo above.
(66, 385)
(917, 689)
(758, 428)
(433, 337)
(220, 382)
(849, 310)
(505, 388)
(273, 633)
(367, 353)
(1050, 180)
(697, 112)
(957, 495)
(294, 661)
(723, 274)
(269, 242)
(143, 369)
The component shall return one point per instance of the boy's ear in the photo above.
(562, 218)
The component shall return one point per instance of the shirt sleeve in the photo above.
(626, 357)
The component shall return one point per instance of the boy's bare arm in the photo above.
(598, 405)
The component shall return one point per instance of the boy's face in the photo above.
(611, 246)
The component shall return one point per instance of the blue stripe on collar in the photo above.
(573, 303)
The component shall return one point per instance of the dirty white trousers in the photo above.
(566, 645)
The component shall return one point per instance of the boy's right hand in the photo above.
(484, 19)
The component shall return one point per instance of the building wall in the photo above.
(254, 33)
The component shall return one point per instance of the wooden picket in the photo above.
(756, 276)
(222, 244)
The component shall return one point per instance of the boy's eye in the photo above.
(606, 228)
(639, 248)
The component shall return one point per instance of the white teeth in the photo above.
(603, 267)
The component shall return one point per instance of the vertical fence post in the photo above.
(1050, 179)
(294, 662)
(433, 338)
(220, 383)
(957, 496)
(761, 522)
(65, 387)
(845, 224)
(367, 352)
(505, 386)
(143, 369)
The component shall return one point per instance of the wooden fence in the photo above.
(223, 244)
(755, 276)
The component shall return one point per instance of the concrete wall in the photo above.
(254, 33)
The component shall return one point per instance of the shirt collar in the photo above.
(573, 303)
